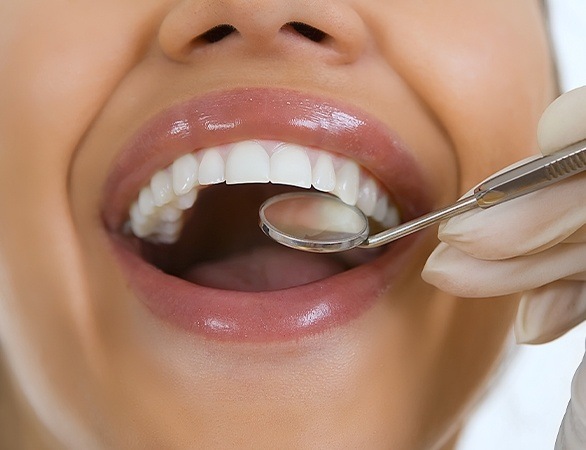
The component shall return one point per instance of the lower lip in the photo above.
(264, 316)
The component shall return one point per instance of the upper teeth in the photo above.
(157, 214)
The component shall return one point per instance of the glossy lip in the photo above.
(275, 114)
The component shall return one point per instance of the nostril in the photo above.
(216, 33)
(308, 31)
(221, 31)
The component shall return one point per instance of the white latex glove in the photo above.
(535, 244)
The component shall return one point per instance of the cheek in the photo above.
(60, 60)
(500, 87)
(485, 71)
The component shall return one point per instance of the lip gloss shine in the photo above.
(289, 116)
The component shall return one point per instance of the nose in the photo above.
(331, 29)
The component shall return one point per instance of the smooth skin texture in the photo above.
(462, 82)
(541, 240)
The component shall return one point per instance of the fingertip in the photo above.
(437, 268)
(562, 123)
(447, 268)
(548, 312)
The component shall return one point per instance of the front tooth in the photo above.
(136, 215)
(290, 165)
(367, 197)
(347, 181)
(211, 168)
(324, 175)
(248, 162)
(380, 211)
(146, 201)
(141, 230)
(140, 225)
(186, 201)
(392, 218)
(168, 232)
(169, 228)
(170, 213)
(184, 174)
(162, 187)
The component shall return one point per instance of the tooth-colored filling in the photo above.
(157, 214)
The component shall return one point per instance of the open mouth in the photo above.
(196, 218)
(184, 221)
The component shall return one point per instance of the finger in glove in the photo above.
(572, 434)
(456, 272)
(547, 312)
(525, 225)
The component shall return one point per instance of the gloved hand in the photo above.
(535, 244)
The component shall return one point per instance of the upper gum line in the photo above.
(156, 213)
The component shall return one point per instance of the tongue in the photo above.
(264, 269)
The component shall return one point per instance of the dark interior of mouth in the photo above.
(222, 246)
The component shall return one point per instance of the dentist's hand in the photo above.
(535, 244)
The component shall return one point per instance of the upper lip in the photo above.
(260, 113)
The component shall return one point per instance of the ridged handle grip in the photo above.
(532, 176)
(567, 165)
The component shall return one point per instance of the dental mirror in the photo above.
(313, 222)
(322, 223)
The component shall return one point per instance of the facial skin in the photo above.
(461, 82)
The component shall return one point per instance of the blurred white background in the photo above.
(568, 20)
(524, 410)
